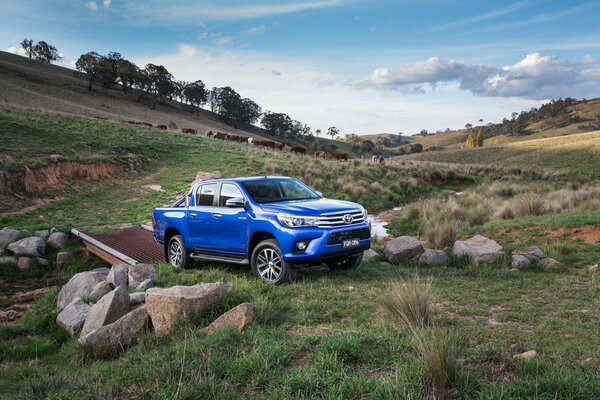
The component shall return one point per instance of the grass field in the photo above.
(327, 335)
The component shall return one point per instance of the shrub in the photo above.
(376, 187)
(440, 233)
(504, 212)
(409, 303)
(438, 357)
(528, 203)
(478, 215)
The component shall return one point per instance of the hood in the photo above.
(310, 207)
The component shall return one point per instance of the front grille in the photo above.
(338, 237)
(337, 219)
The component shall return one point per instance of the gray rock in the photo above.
(138, 273)
(80, 285)
(58, 240)
(119, 335)
(110, 308)
(147, 284)
(63, 257)
(526, 356)
(44, 234)
(8, 260)
(30, 247)
(101, 289)
(118, 275)
(52, 230)
(169, 306)
(403, 248)
(434, 257)
(137, 298)
(8, 236)
(42, 261)
(238, 317)
(550, 264)
(520, 262)
(532, 253)
(24, 263)
(370, 253)
(480, 250)
(73, 316)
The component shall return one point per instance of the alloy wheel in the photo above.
(269, 265)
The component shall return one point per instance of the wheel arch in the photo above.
(258, 237)
(169, 233)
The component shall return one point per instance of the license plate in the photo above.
(350, 243)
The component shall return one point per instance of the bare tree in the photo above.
(27, 45)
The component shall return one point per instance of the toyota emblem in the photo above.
(348, 218)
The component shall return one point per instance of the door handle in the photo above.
(193, 214)
(217, 215)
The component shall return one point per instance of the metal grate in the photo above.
(338, 237)
(136, 243)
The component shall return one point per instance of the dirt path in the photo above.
(18, 302)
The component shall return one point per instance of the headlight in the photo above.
(365, 214)
(296, 221)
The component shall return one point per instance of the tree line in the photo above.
(40, 51)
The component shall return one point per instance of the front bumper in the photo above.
(321, 247)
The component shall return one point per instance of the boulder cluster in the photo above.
(479, 250)
(31, 248)
(110, 308)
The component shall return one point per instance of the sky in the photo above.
(363, 66)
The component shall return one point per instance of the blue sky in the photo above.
(363, 66)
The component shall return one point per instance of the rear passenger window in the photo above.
(206, 195)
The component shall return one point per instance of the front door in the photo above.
(200, 217)
(230, 225)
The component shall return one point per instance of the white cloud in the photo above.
(106, 3)
(588, 59)
(16, 50)
(92, 5)
(256, 30)
(223, 40)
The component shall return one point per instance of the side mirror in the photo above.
(319, 193)
(235, 202)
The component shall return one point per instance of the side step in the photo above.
(213, 257)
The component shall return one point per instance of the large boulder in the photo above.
(73, 316)
(238, 317)
(370, 253)
(550, 265)
(169, 306)
(403, 248)
(63, 257)
(29, 247)
(532, 253)
(480, 250)
(520, 262)
(107, 310)
(117, 336)
(137, 298)
(147, 284)
(118, 275)
(80, 285)
(138, 273)
(8, 236)
(58, 240)
(24, 263)
(101, 289)
(434, 257)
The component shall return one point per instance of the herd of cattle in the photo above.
(336, 154)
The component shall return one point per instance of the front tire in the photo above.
(177, 254)
(268, 264)
(345, 263)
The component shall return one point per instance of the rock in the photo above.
(526, 356)
(402, 248)
(73, 316)
(42, 234)
(8, 260)
(480, 250)
(138, 273)
(24, 263)
(118, 275)
(119, 335)
(434, 257)
(169, 306)
(30, 247)
(80, 285)
(101, 289)
(137, 298)
(205, 176)
(550, 264)
(520, 262)
(42, 261)
(54, 158)
(514, 270)
(593, 268)
(58, 240)
(532, 253)
(52, 230)
(8, 236)
(238, 317)
(147, 284)
(370, 253)
(63, 257)
(110, 308)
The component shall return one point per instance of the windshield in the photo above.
(273, 190)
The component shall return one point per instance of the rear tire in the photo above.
(177, 254)
(345, 263)
(268, 264)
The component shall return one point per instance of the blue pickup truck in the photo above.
(272, 223)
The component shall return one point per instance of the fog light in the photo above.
(302, 245)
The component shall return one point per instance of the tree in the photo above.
(333, 131)
(160, 83)
(367, 146)
(249, 112)
(423, 132)
(317, 132)
(276, 123)
(27, 45)
(45, 52)
(126, 72)
(468, 126)
(382, 141)
(196, 94)
(470, 141)
(479, 138)
(88, 63)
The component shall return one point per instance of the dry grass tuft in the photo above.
(409, 304)
(440, 233)
(438, 357)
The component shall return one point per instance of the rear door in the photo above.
(230, 226)
(200, 216)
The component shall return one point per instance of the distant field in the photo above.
(574, 153)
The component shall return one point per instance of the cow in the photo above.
(163, 127)
(298, 150)
(221, 135)
(208, 134)
(278, 146)
(340, 155)
(191, 131)
(144, 124)
(320, 154)
(251, 140)
(128, 121)
(378, 159)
